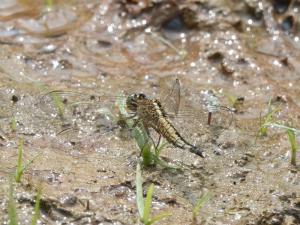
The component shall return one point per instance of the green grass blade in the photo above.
(147, 155)
(12, 211)
(267, 119)
(148, 202)
(141, 138)
(158, 218)
(20, 169)
(293, 142)
(13, 124)
(164, 164)
(139, 191)
(37, 212)
(280, 126)
(160, 148)
(199, 204)
(49, 4)
(292, 138)
(270, 105)
(58, 104)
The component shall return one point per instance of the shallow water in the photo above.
(249, 49)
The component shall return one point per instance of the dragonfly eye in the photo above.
(131, 102)
(141, 96)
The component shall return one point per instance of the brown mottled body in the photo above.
(152, 115)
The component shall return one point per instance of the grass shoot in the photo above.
(293, 142)
(291, 132)
(12, 211)
(49, 4)
(37, 212)
(13, 124)
(267, 119)
(144, 205)
(199, 204)
(58, 104)
(20, 167)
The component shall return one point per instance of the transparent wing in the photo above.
(206, 107)
(170, 95)
(79, 113)
(58, 102)
(212, 110)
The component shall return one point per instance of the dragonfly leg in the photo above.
(149, 135)
(153, 142)
(209, 118)
(135, 123)
(131, 117)
(138, 123)
(158, 142)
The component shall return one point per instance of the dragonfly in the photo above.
(151, 113)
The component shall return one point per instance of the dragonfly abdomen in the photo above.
(169, 132)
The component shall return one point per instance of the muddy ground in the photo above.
(243, 49)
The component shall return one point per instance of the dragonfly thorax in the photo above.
(132, 101)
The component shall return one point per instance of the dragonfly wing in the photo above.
(213, 114)
(77, 112)
(170, 95)
(60, 102)
(206, 108)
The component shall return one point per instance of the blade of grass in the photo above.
(139, 191)
(20, 167)
(148, 202)
(160, 148)
(158, 218)
(19, 170)
(12, 211)
(37, 212)
(58, 104)
(267, 119)
(49, 4)
(291, 132)
(293, 142)
(200, 203)
(148, 156)
(13, 124)
(280, 126)
(141, 138)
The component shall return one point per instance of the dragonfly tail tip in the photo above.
(196, 150)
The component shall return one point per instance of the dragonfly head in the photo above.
(132, 101)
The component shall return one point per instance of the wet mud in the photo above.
(247, 52)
